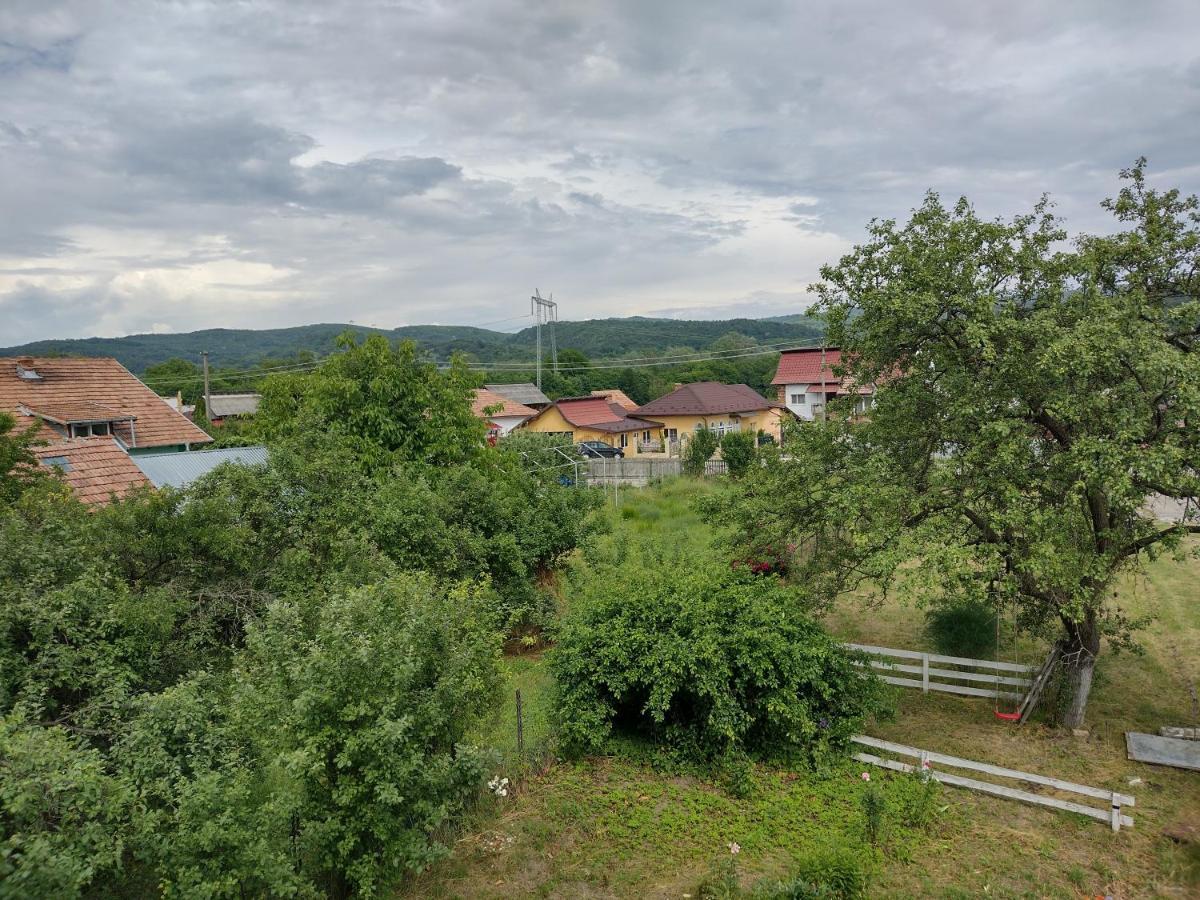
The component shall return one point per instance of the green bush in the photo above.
(63, 816)
(700, 447)
(739, 450)
(962, 629)
(704, 660)
(835, 871)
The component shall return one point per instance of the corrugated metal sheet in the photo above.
(181, 469)
(525, 393)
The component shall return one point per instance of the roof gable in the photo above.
(68, 387)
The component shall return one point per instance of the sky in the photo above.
(169, 166)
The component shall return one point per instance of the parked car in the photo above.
(599, 450)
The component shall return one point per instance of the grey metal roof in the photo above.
(181, 469)
(234, 405)
(526, 393)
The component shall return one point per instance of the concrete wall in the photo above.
(632, 472)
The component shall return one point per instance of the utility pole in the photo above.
(824, 399)
(207, 394)
(545, 312)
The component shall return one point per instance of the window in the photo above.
(646, 436)
(90, 429)
(799, 399)
(624, 442)
(58, 462)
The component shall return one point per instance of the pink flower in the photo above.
(735, 848)
(926, 764)
(866, 776)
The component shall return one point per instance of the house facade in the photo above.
(716, 407)
(597, 419)
(806, 382)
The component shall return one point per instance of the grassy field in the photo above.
(617, 828)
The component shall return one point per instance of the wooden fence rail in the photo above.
(927, 758)
(933, 676)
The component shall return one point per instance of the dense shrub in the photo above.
(703, 659)
(700, 447)
(739, 450)
(963, 629)
(834, 871)
(330, 754)
(63, 815)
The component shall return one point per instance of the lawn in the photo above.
(615, 827)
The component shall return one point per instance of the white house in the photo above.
(806, 382)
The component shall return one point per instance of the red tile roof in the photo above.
(73, 386)
(804, 366)
(485, 399)
(97, 469)
(707, 398)
(599, 414)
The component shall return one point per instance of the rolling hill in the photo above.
(596, 338)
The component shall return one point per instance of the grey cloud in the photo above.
(401, 161)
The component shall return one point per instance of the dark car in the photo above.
(599, 450)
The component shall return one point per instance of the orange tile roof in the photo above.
(617, 396)
(97, 469)
(74, 385)
(485, 399)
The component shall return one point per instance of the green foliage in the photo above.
(18, 466)
(387, 404)
(704, 660)
(739, 449)
(874, 813)
(1029, 401)
(701, 445)
(966, 628)
(64, 817)
(832, 871)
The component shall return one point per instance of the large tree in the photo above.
(1033, 396)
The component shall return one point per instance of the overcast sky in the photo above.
(167, 166)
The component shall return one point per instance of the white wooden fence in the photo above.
(1113, 814)
(931, 674)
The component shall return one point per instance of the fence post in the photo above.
(1116, 812)
(520, 726)
(924, 673)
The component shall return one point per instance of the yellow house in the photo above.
(715, 406)
(597, 419)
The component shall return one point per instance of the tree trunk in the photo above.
(1080, 648)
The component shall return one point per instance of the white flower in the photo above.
(735, 848)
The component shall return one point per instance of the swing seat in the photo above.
(1008, 717)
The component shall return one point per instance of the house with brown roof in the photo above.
(716, 407)
(597, 419)
(501, 414)
(92, 415)
(78, 397)
(806, 382)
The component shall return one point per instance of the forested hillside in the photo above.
(595, 338)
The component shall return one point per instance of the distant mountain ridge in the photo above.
(596, 338)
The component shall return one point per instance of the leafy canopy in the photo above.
(1030, 400)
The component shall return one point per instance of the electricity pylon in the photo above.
(545, 312)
